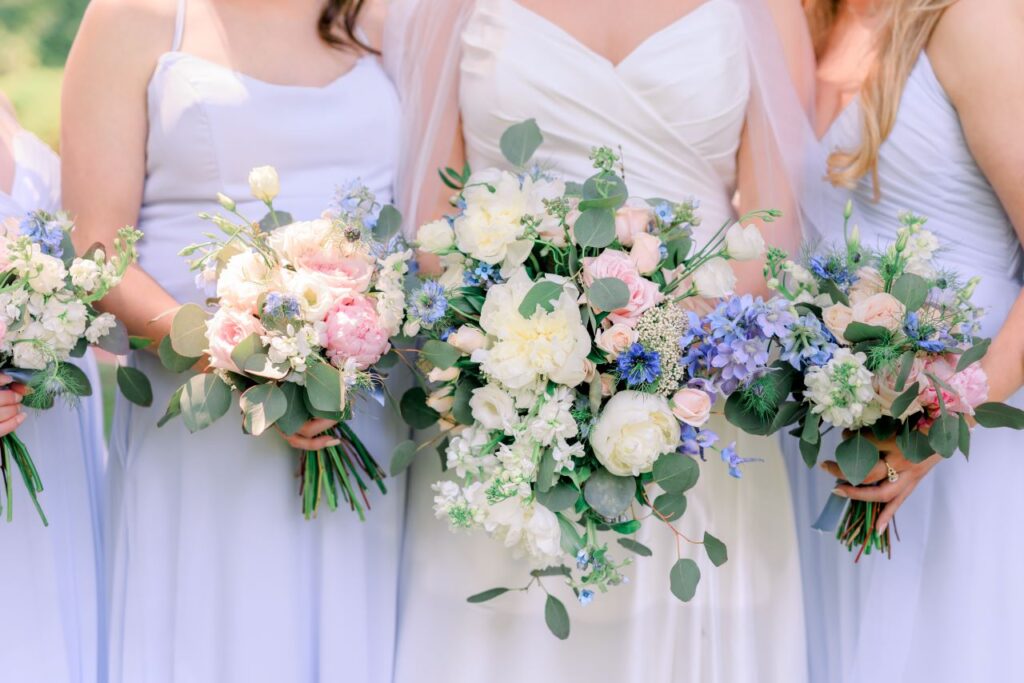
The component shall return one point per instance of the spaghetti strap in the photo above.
(179, 26)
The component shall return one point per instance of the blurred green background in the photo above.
(35, 36)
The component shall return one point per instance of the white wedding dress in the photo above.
(677, 106)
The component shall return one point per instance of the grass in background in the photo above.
(35, 93)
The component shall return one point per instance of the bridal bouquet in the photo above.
(571, 388)
(304, 314)
(48, 317)
(884, 345)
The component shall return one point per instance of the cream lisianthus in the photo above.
(744, 244)
(552, 345)
(315, 298)
(633, 431)
(264, 183)
(493, 408)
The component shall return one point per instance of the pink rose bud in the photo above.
(692, 406)
(630, 221)
(646, 252)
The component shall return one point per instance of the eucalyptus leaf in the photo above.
(608, 294)
(296, 414)
(324, 387)
(558, 570)
(944, 435)
(914, 445)
(556, 617)
(738, 413)
(139, 343)
(809, 452)
(559, 497)
(520, 141)
(859, 332)
(595, 228)
(440, 354)
(546, 471)
(246, 349)
(570, 540)
(461, 410)
(964, 441)
(671, 506)
(999, 415)
(627, 528)
(608, 494)
(683, 579)
(262, 406)
(903, 401)
(716, 550)
(274, 220)
(541, 294)
(389, 222)
(415, 411)
(205, 399)
(635, 547)
(911, 290)
(135, 386)
(906, 365)
(788, 413)
(812, 428)
(605, 185)
(188, 331)
(675, 472)
(856, 456)
(173, 407)
(116, 341)
(402, 457)
(171, 359)
(973, 354)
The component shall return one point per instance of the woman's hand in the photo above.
(11, 415)
(310, 436)
(877, 488)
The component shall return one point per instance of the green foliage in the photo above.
(595, 228)
(856, 456)
(402, 457)
(135, 386)
(683, 579)
(608, 294)
(716, 550)
(556, 617)
(486, 595)
(520, 141)
(262, 406)
(415, 411)
(676, 473)
(636, 547)
(441, 354)
(609, 495)
(541, 294)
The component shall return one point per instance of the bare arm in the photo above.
(103, 141)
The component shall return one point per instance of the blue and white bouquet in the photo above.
(571, 388)
(48, 317)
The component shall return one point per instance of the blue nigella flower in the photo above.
(42, 230)
(832, 269)
(638, 366)
(933, 343)
(586, 596)
(429, 304)
(731, 458)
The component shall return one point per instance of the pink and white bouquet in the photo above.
(555, 357)
(884, 345)
(48, 317)
(301, 327)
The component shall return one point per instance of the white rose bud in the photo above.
(439, 375)
(264, 183)
(441, 401)
(436, 237)
(744, 244)
(467, 339)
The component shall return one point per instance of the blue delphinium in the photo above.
(694, 440)
(807, 343)
(281, 306)
(637, 365)
(43, 230)
(731, 458)
(429, 303)
(730, 346)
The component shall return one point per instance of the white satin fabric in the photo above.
(50, 593)
(677, 106)
(948, 606)
(216, 576)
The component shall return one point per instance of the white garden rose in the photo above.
(297, 240)
(264, 183)
(551, 345)
(715, 279)
(491, 227)
(869, 282)
(633, 431)
(493, 408)
(880, 310)
(436, 237)
(744, 244)
(837, 318)
(242, 281)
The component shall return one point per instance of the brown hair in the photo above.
(345, 13)
(905, 31)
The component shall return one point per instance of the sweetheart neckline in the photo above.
(615, 66)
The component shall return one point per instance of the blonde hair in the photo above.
(905, 30)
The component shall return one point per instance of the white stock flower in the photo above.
(633, 431)
(552, 345)
(264, 183)
(45, 273)
(841, 391)
(715, 279)
(744, 244)
(554, 420)
(465, 453)
(85, 274)
(100, 327)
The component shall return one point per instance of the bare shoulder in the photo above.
(977, 44)
(132, 32)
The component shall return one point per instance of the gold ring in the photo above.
(894, 476)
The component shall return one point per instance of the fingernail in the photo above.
(334, 442)
(839, 492)
(21, 417)
(881, 527)
(17, 398)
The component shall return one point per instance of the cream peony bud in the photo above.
(264, 183)
(467, 339)
(744, 244)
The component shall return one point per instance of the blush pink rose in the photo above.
(643, 294)
(339, 272)
(225, 331)
(631, 221)
(354, 331)
(692, 406)
(884, 384)
(646, 252)
(969, 387)
(881, 310)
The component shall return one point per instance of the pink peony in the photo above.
(643, 294)
(225, 331)
(338, 272)
(353, 331)
(969, 387)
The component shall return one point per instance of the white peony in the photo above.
(436, 237)
(243, 280)
(715, 279)
(86, 275)
(264, 183)
(552, 345)
(744, 244)
(491, 228)
(494, 409)
(633, 431)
